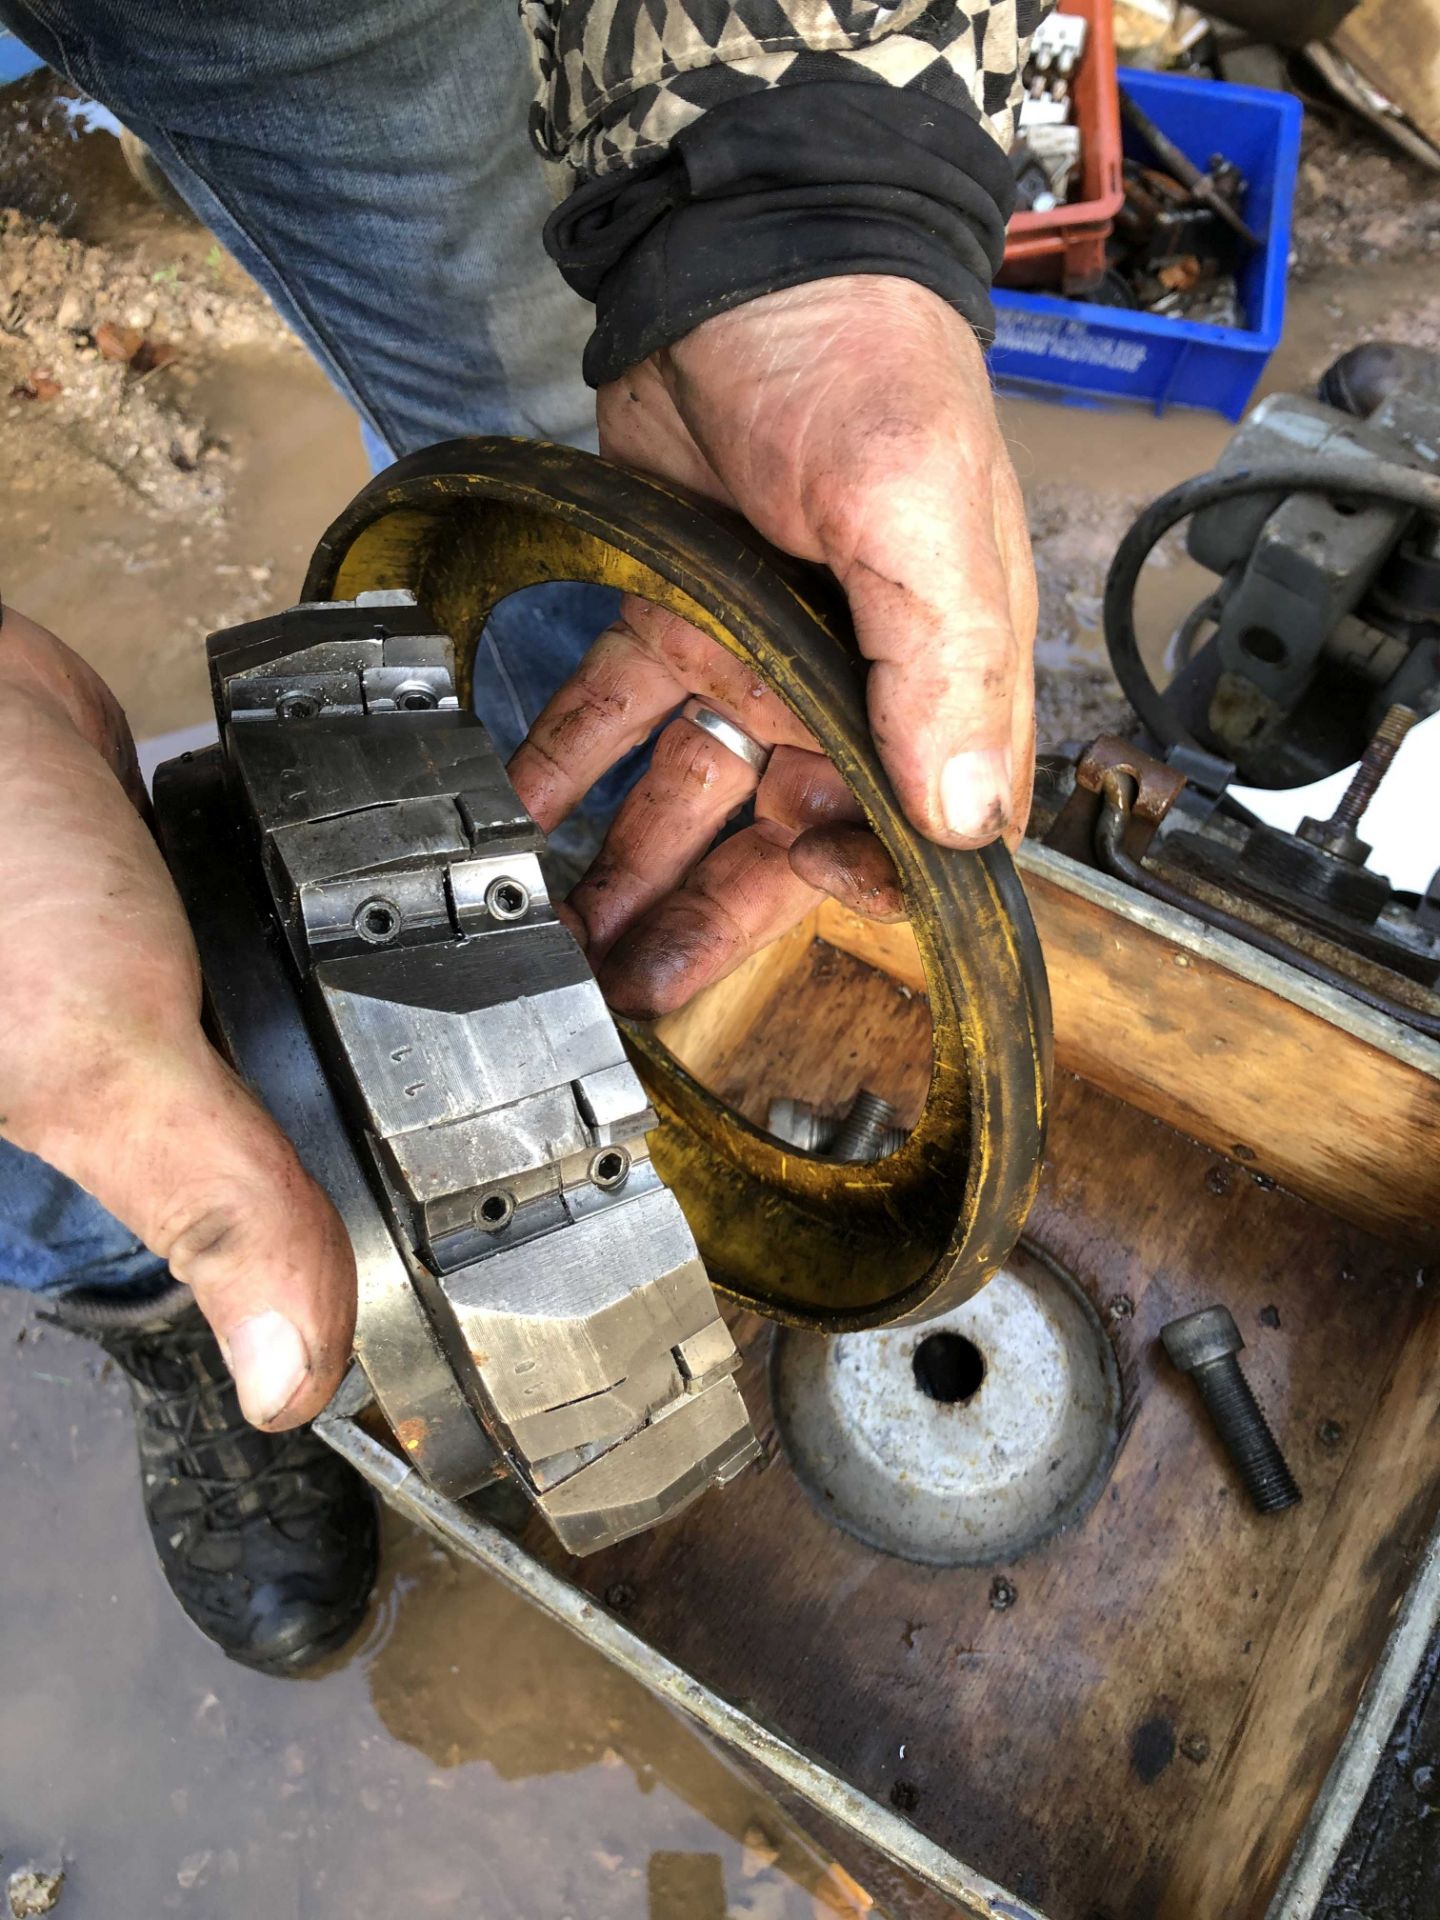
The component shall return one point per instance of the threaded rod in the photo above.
(861, 1135)
(1246, 1435)
(1375, 763)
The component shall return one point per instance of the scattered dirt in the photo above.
(1359, 199)
(34, 1890)
(1073, 533)
(1073, 705)
(99, 356)
(170, 453)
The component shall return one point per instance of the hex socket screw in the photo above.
(1205, 1346)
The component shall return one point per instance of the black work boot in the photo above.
(269, 1541)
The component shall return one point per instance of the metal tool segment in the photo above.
(530, 1294)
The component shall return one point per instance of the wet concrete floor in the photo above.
(466, 1758)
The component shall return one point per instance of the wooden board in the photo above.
(1396, 45)
(1140, 1736)
(1163, 1020)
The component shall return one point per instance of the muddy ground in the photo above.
(168, 458)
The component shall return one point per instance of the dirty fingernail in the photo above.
(270, 1362)
(975, 792)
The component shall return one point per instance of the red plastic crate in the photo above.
(1065, 248)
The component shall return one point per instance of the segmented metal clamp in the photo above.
(531, 1292)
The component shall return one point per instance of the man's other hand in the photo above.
(104, 1070)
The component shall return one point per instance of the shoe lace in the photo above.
(178, 1400)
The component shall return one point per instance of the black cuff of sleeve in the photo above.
(796, 183)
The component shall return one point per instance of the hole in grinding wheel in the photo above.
(889, 1436)
(948, 1368)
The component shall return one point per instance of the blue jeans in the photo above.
(367, 161)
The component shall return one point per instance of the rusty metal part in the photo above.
(1337, 835)
(1111, 853)
(1207, 1345)
(1156, 789)
(1201, 185)
(800, 1238)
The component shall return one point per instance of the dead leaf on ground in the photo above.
(118, 343)
(40, 384)
(132, 347)
(152, 354)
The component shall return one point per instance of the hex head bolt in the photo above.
(1205, 1346)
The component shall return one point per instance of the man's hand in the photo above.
(851, 422)
(104, 1070)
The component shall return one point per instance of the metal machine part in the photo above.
(1218, 189)
(800, 1237)
(529, 1291)
(1322, 519)
(1319, 875)
(970, 1439)
(1337, 836)
(1207, 1346)
(1306, 898)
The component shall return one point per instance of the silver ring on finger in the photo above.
(728, 734)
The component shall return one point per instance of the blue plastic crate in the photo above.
(16, 59)
(1075, 351)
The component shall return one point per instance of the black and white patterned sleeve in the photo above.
(713, 150)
